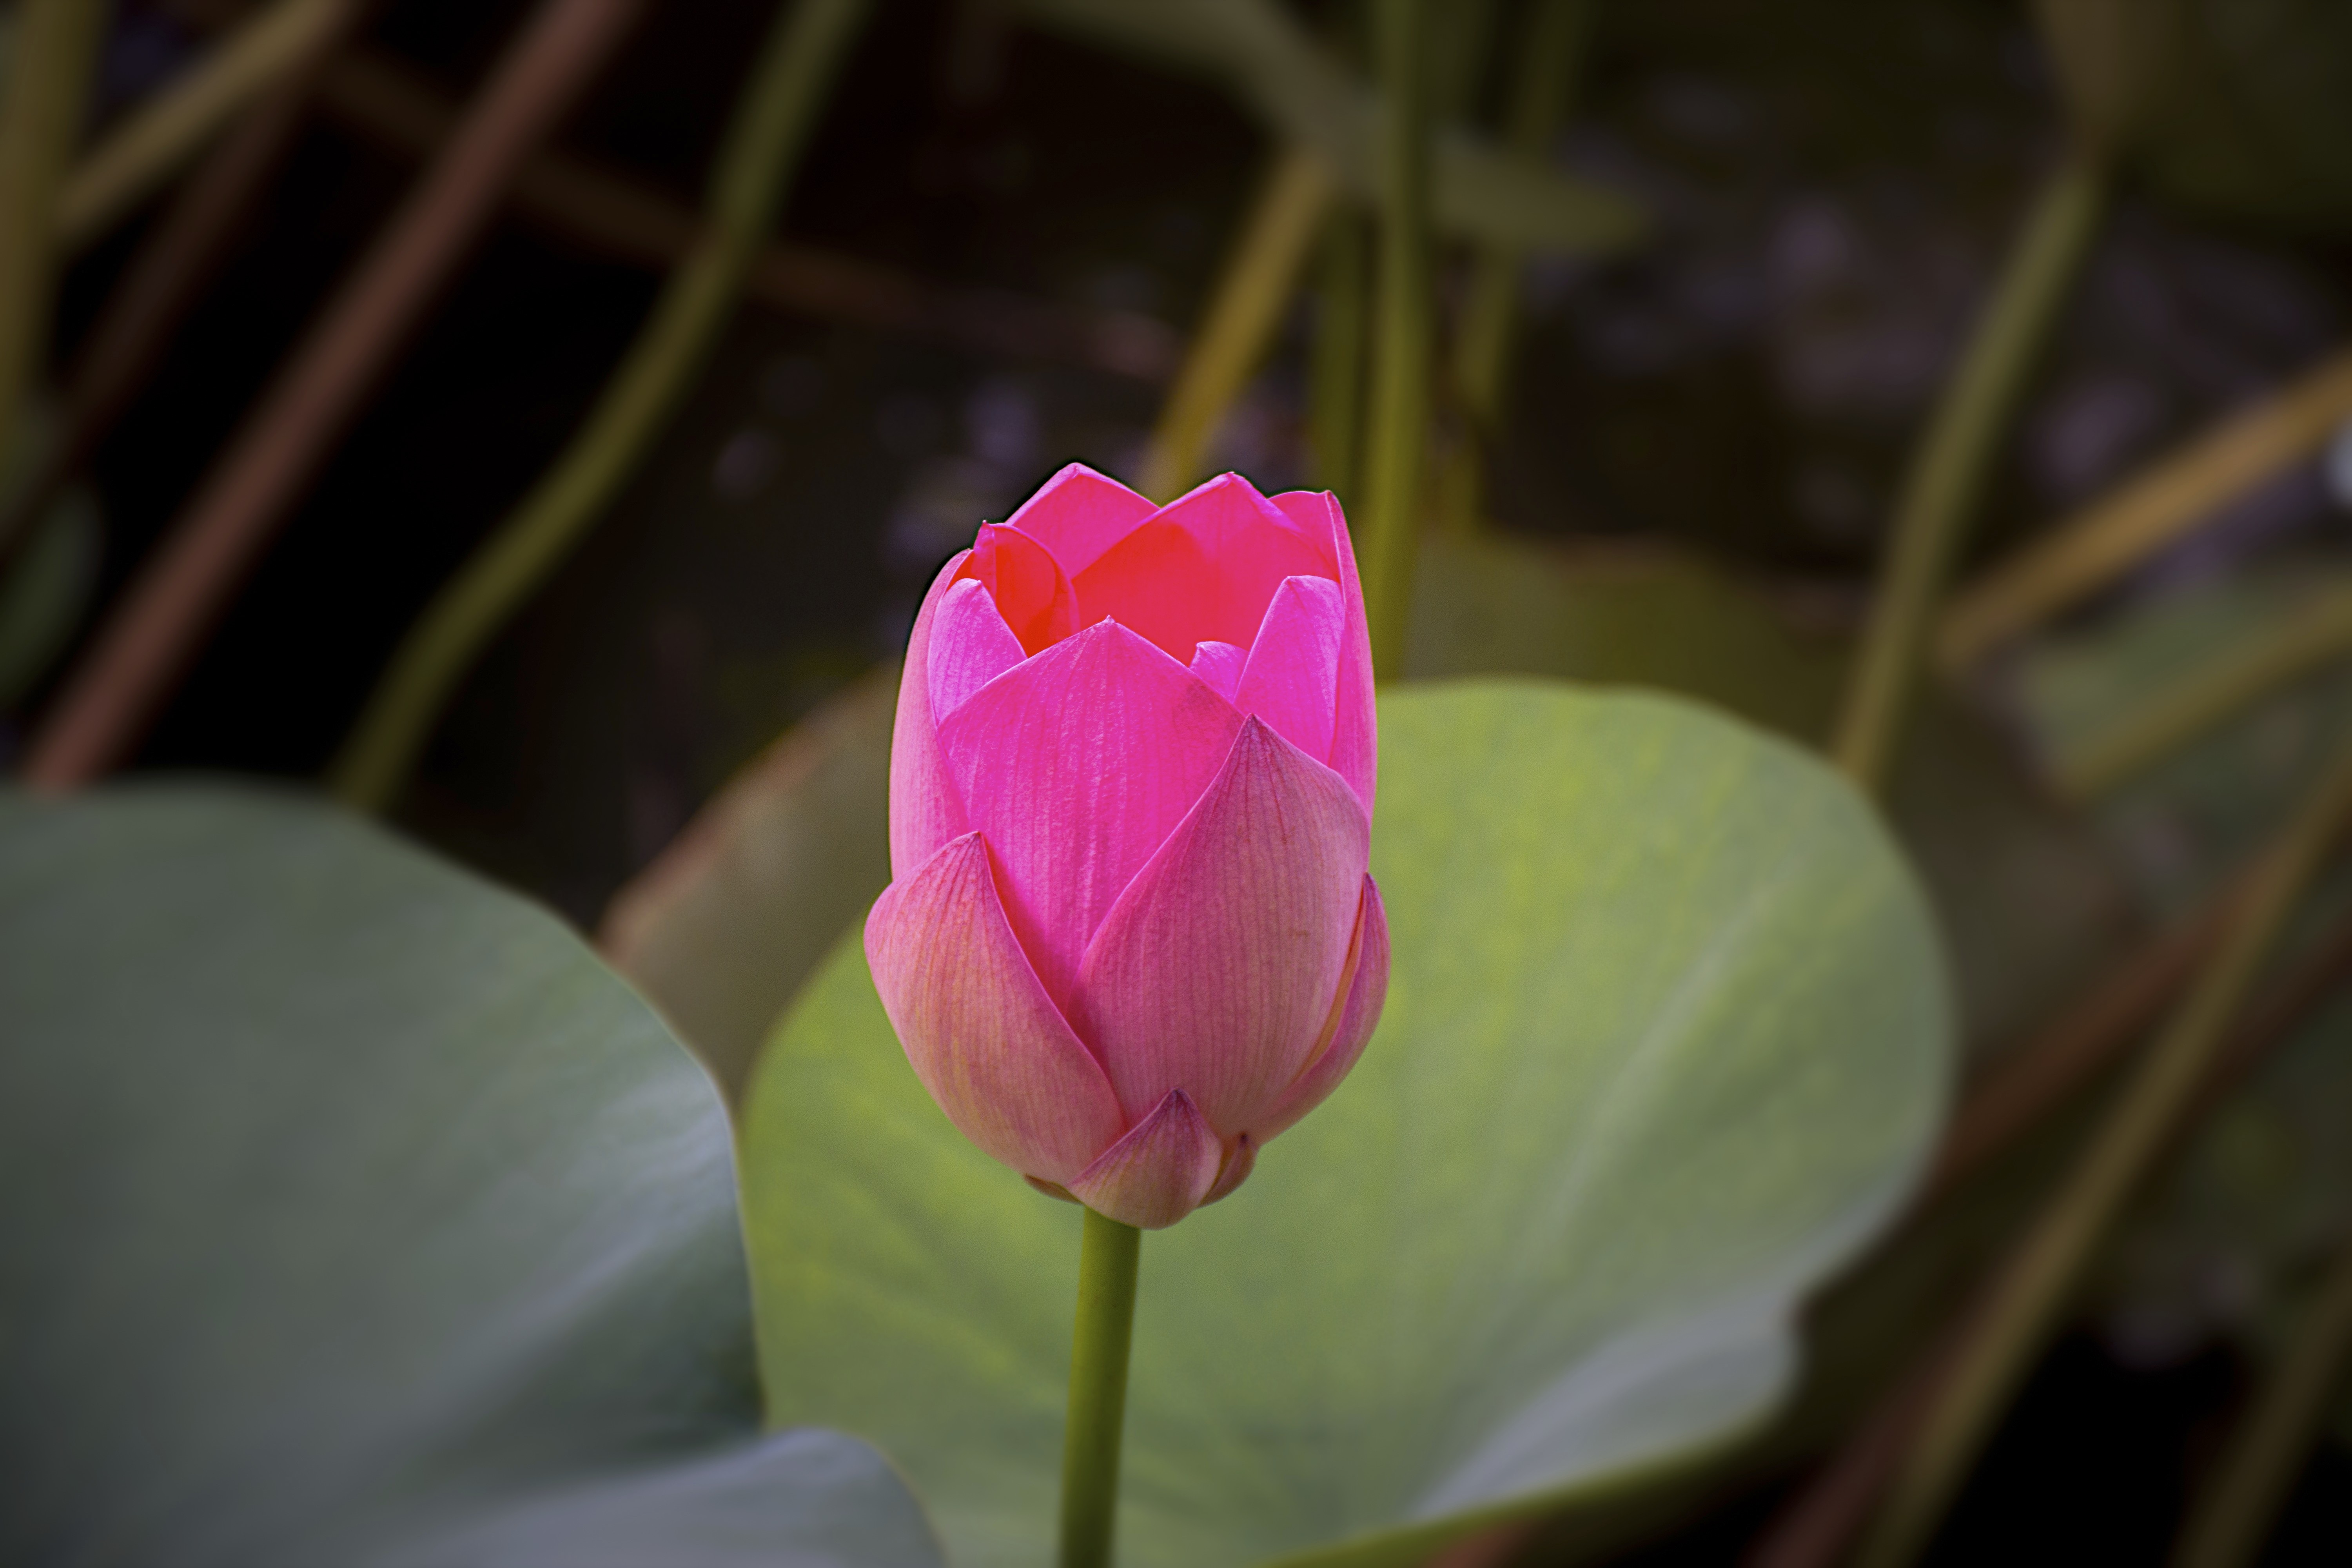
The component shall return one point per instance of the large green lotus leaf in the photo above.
(728, 922)
(1665, 1040)
(2031, 901)
(352, 1212)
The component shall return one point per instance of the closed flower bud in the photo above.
(1130, 935)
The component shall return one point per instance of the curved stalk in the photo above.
(1400, 411)
(153, 632)
(167, 132)
(1108, 1257)
(771, 128)
(1260, 279)
(2233, 1518)
(2040, 1275)
(1947, 474)
(51, 55)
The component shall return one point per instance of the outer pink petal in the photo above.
(1355, 727)
(970, 645)
(1221, 665)
(1203, 568)
(1294, 665)
(1158, 1172)
(978, 1028)
(1031, 590)
(1240, 1160)
(1078, 514)
(1216, 971)
(925, 810)
(1353, 1015)
(1077, 765)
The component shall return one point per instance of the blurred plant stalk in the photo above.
(2028, 1084)
(1402, 338)
(771, 128)
(2233, 1517)
(142, 651)
(168, 131)
(52, 54)
(1948, 475)
(1548, 59)
(2026, 1297)
(2148, 513)
(2306, 638)
(1244, 313)
(170, 272)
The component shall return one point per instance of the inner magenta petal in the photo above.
(1078, 514)
(1221, 665)
(1031, 590)
(1204, 569)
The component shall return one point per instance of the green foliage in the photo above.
(1665, 1041)
(355, 1214)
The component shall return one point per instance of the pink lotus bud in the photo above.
(1130, 935)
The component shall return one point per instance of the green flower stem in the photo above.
(2039, 1277)
(1948, 475)
(1106, 1260)
(772, 124)
(1400, 410)
(2233, 1519)
(53, 50)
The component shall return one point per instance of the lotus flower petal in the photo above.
(1240, 1160)
(1077, 765)
(1078, 514)
(1353, 1015)
(1158, 1172)
(1031, 590)
(1216, 971)
(1355, 728)
(925, 810)
(970, 645)
(1221, 665)
(1294, 665)
(1203, 568)
(977, 1027)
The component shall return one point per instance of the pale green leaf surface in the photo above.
(352, 1212)
(1666, 1038)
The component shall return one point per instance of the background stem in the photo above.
(51, 61)
(2039, 1277)
(1400, 411)
(1106, 1263)
(804, 47)
(1947, 476)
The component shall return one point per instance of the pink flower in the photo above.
(1130, 935)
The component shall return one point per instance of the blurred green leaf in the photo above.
(724, 926)
(1665, 1040)
(2029, 897)
(1262, 54)
(354, 1214)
